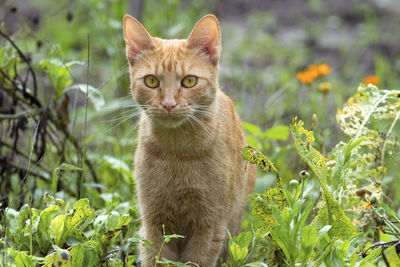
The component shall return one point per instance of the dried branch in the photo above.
(24, 58)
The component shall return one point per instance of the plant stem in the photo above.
(30, 225)
(81, 178)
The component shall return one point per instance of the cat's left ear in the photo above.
(206, 36)
(136, 37)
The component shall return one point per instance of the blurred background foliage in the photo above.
(265, 45)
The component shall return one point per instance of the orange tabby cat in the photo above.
(189, 170)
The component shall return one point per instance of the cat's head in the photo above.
(173, 79)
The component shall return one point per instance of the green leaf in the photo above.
(23, 215)
(254, 156)
(370, 258)
(331, 213)
(343, 164)
(118, 165)
(167, 238)
(251, 140)
(308, 238)
(12, 219)
(58, 74)
(279, 132)
(283, 239)
(45, 218)
(264, 204)
(95, 96)
(244, 239)
(63, 225)
(251, 128)
(256, 264)
(60, 257)
(78, 254)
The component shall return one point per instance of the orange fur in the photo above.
(189, 170)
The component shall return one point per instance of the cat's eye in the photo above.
(189, 81)
(151, 81)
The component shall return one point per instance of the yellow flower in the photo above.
(325, 87)
(372, 79)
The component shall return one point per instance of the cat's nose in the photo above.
(169, 105)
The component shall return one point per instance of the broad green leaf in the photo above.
(81, 211)
(308, 238)
(78, 254)
(60, 257)
(58, 74)
(46, 216)
(235, 252)
(244, 239)
(59, 228)
(23, 215)
(251, 140)
(251, 128)
(12, 219)
(279, 132)
(283, 239)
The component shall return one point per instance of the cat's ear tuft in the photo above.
(136, 37)
(206, 36)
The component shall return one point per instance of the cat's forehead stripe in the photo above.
(170, 56)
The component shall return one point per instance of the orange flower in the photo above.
(307, 77)
(372, 79)
(368, 205)
(324, 69)
(313, 72)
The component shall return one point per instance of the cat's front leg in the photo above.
(148, 255)
(204, 246)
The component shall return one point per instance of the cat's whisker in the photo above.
(113, 75)
(131, 116)
(200, 123)
(209, 112)
(130, 131)
(124, 115)
(125, 106)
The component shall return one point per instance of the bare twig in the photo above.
(24, 58)
(29, 112)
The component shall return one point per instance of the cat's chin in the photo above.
(170, 122)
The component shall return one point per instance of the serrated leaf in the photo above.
(330, 213)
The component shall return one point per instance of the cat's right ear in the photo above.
(136, 37)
